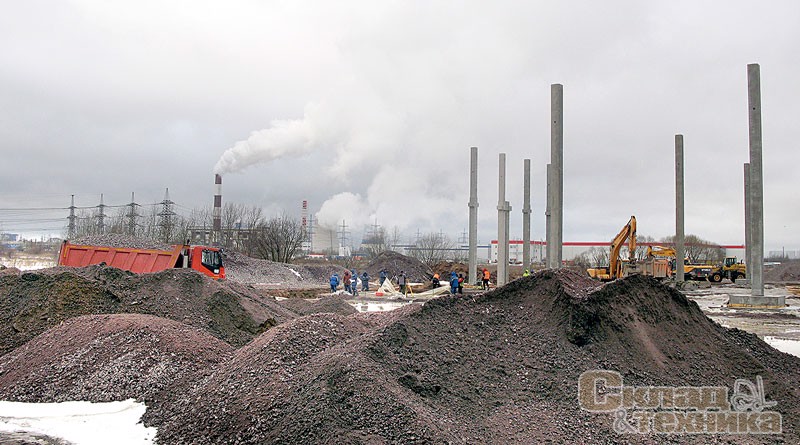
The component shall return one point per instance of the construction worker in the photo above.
(435, 280)
(486, 277)
(526, 273)
(365, 281)
(334, 282)
(383, 276)
(453, 283)
(354, 282)
(401, 281)
(461, 283)
(346, 280)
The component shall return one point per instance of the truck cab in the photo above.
(208, 261)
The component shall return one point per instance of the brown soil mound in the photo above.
(501, 367)
(333, 304)
(102, 358)
(9, 271)
(35, 301)
(786, 272)
(394, 263)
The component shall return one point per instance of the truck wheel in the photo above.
(715, 277)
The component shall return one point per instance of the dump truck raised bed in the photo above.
(206, 260)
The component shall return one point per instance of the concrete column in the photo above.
(679, 220)
(507, 219)
(748, 224)
(557, 160)
(548, 225)
(502, 235)
(473, 215)
(756, 270)
(526, 215)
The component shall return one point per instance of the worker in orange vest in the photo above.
(486, 277)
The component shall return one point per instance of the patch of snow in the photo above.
(296, 273)
(80, 423)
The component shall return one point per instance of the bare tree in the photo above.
(594, 257)
(432, 248)
(375, 242)
(641, 246)
(279, 239)
(394, 238)
(699, 250)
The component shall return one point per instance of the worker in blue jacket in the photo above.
(334, 282)
(453, 283)
(365, 281)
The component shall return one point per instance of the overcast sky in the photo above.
(367, 109)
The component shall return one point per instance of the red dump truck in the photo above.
(207, 260)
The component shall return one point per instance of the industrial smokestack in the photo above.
(217, 212)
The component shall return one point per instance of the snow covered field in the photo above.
(80, 423)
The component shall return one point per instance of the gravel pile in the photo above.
(244, 269)
(394, 263)
(32, 302)
(501, 367)
(787, 272)
(120, 240)
(9, 271)
(331, 304)
(102, 358)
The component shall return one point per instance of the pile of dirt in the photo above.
(9, 270)
(330, 304)
(394, 263)
(35, 301)
(786, 272)
(103, 358)
(501, 367)
(244, 269)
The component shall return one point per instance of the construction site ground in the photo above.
(271, 356)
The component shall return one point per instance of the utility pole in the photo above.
(343, 239)
(71, 218)
(101, 217)
(132, 216)
(166, 215)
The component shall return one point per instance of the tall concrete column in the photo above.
(748, 224)
(679, 233)
(526, 215)
(756, 270)
(503, 209)
(557, 160)
(548, 215)
(473, 215)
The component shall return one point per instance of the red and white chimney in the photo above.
(217, 211)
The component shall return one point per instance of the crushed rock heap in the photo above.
(785, 272)
(244, 269)
(502, 367)
(32, 302)
(394, 263)
(103, 358)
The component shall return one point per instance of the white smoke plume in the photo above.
(283, 138)
(348, 207)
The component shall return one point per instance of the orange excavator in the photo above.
(618, 268)
(615, 268)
